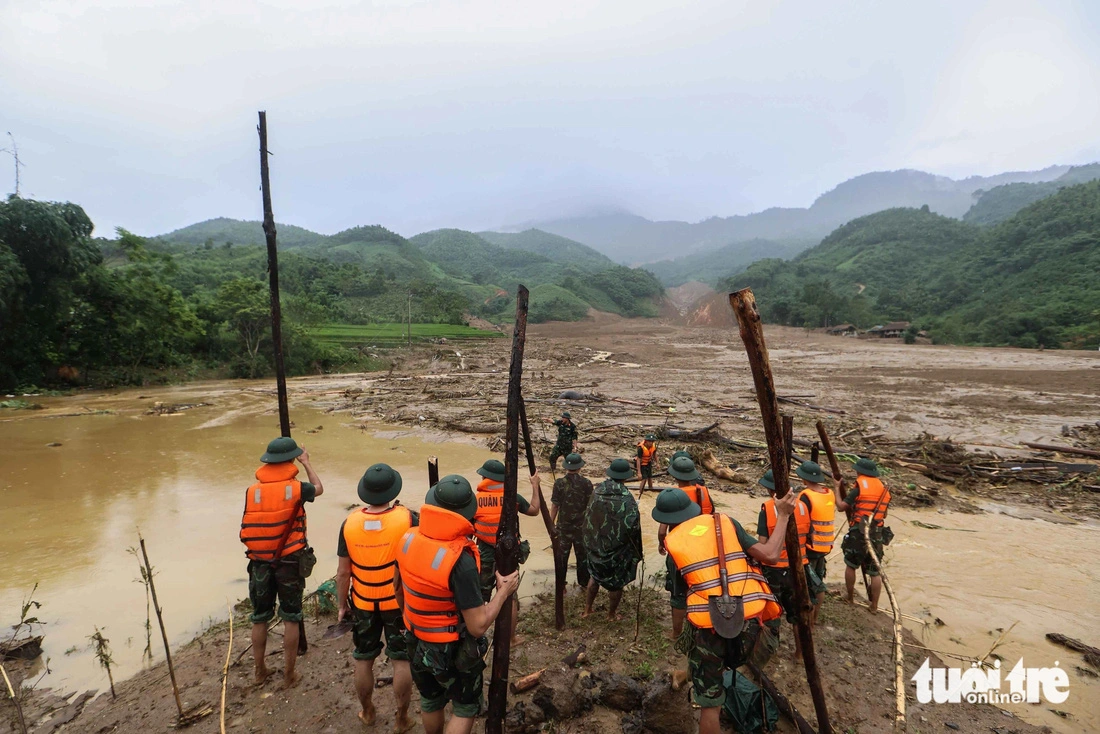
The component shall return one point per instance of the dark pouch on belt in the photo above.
(470, 657)
(306, 561)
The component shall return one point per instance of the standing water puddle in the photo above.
(72, 511)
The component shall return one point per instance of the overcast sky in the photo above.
(474, 114)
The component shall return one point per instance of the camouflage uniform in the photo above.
(855, 549)
(450, 671)
(709, 655)
(613, 536)
(567, 434)
(571, 494)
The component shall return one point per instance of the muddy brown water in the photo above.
(71, 511)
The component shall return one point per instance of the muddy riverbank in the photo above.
(179, 476)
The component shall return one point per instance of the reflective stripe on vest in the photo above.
(372, 540)
(822, 515)
(802, 523)
(428, 554)
(490, 504)
(647, 453)
(269, 506)
(699, 494)
(870, 491)
(694, 550)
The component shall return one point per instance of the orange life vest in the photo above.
(426, 556)
(490, 504)
(700, 495)
(871, 490)
(694, 550)
(802, 522)
(647, 453)
(822, 515)
(269, 506)
(372, 539)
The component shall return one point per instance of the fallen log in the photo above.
(1063, 449)
(711, 464)
(574, 657)
(811, 406)
(692, 435)
(527, 682)
(1073, 644)
(624, 401)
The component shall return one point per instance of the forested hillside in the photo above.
(1030, 281)
(1001, 202)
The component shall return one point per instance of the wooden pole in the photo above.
(555, 540)
(225, 669)
(752, 334)
(163, 633)
(781, 701)
(507, 549)
(899, 655)
(433, 471)
(276, 313)
(273, 280)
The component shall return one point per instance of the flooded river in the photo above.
(72, 510)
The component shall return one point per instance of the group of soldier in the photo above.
(425, 583)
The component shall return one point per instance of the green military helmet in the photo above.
(573, 462)
(620, 469)
(281, 450)
(811, 472)
(566, 415)
(673, 507)
(455, 494)
(379, 485)
(650, 437)
(677, 455)
(767, 481)
(492, 469)
(867, 467)
(683, 468)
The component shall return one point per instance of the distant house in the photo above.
(894, 329)
(843, 330)
(875, 332)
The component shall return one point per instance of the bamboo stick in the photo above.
(163, 632)
(899, 654)
(225, 669)
(752, 334)
(15, 701)
(507, 548)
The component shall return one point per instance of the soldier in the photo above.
(439, 592)
(869, 501)
(490, 505)
(612, 538)
(693, 545)
(273, 530)
(568, 503)
(777, 573)
(367, 550)
(645, 460)
(687, 477)
(567, 439)
(822, 515)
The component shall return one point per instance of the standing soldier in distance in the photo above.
(869, 501)
(687, 477)
(440, 594)
(567, 439)
(490, 505)
(367, 550)
(693, 545)
(568, 503)
(273, 530)
(822, 505)
(645, 460)
(612, 538)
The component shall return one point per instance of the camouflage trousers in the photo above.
(709, 655)
(282, 580)
(450, 671)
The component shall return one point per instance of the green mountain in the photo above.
(1001, 202)
(1028, 281)
(558, 249)
(221, 230)
(714, 265)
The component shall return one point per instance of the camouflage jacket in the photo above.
(612, 525)
(571, 494)
(567, 433)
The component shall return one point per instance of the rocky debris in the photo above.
(562, 696)
(619, 691)
(667, 711)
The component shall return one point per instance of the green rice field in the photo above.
(394, 334)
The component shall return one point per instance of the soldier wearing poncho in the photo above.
(612, 538)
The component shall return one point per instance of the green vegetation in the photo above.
(550, 246)
(390, 335)
(217, 232)
(1002, 202)
(712, 266)
(1030, 281)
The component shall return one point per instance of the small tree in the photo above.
(102, 649)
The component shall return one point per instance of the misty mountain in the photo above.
(220, 230)
(1001, 202)
(551, 246)
(632, 239)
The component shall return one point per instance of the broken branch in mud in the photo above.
(811, 406)
(1092, 654)
(899, 654)
(1063, 449)
(163, 632)
(574, 657)
(527, 682)
(225, 669)
(15, 700)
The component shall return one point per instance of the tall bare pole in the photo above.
(743, 303)
(273, 277)
(507, 550)
(555, 540)
(14, 152)
(163, 633)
